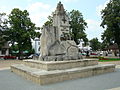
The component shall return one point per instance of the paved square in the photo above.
(11, 81)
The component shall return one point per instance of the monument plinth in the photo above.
(59, 57)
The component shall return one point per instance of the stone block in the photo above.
(59, 65)
(47, 77)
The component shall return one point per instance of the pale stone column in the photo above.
(7, 52)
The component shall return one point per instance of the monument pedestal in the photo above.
(60, 65)
(43, 72)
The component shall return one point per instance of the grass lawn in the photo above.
(108, 59)
(105, 59)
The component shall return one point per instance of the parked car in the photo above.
(30, 57)
(94, 53)
(1, 57)
(84, 54)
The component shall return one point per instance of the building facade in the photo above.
(5, 50)
(36, 45)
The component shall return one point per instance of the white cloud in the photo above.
(92, 24)
(4, 9)
(100, 7)
(39, 12)
(94, 30)
(7, 10)
(37, 6)
(39, 18)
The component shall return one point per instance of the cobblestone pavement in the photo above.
(11, 81)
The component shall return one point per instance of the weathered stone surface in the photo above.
(47, 77)
(56, 43)
(47, 39)
(56, 65)
(71, 47)
(56, 49)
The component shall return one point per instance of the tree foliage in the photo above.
(78, 25)
(111, 21)
(49, 22)
(108, 39)
(21, 29)
(107, 36)
(95, 44)
(3, 27)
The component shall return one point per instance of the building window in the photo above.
(38, 43)
(39, 49)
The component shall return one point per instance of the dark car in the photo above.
(93, 54)
(1, 57)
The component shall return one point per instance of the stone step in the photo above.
(59, 65)
(47, 77)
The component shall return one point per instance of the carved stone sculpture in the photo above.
(56, 43)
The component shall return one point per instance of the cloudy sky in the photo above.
(40, 9)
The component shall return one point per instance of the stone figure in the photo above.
(55, 41)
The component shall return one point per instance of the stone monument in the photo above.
(56, 43)
(59, 58)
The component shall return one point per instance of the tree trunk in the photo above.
(20, 54)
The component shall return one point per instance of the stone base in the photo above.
(60, 57)
(49, 76)
(60, 65)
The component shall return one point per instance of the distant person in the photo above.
(115, 53)
(106, 53)
(87, 54)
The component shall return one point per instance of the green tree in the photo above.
(108, 39)
(3, 27)
(111, 21)
(108, 36)
(95, 44)
(77, 25)
(21, 30)
(49, 22)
